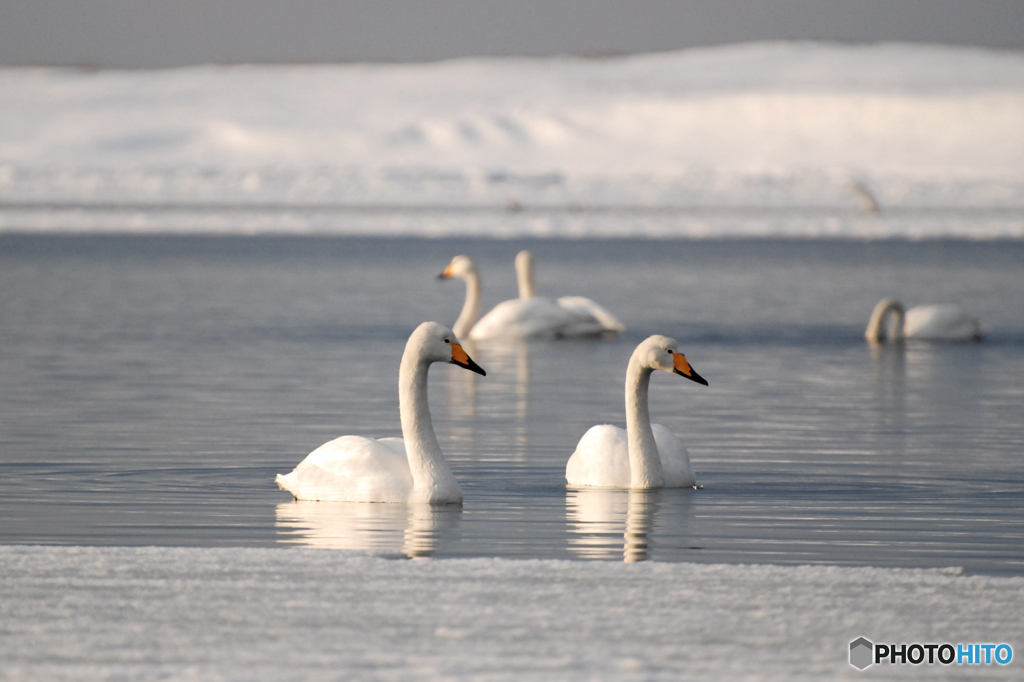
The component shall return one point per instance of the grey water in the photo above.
(152, 386)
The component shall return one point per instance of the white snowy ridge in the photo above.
(756, 139)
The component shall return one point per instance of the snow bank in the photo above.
(219, 614)
(788, 125)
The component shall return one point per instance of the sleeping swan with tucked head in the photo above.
(645, 455)
(408, 469)
(943, 322)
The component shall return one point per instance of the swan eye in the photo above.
(669, 352)
(447, 341)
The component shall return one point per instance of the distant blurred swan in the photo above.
(529, 315)
(645, 455)
(407, 469)
(945, 322)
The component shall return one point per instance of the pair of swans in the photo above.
(943, 322)
(412, 469)
(528, 316)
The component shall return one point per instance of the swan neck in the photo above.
(470, 308)
(644, 460)
(433, 481)
(524, 276)
(876, 325)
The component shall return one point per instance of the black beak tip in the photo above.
(693, 376)
(471, 366)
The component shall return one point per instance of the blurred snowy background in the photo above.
(766, 126)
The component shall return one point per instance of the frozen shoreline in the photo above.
(774, 126)
(217, 614)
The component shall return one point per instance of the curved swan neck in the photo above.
(471, 307)
(876, 325)
(644, 460)
(433, 480)
(524, 274)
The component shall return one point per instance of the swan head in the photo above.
(434, 342)
(461, 267)
(661, 352)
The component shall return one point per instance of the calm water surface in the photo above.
(153, 387)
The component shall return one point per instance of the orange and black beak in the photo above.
(682, 367)
(462, 359)
(447, 273)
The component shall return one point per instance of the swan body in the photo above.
(605, 459)
(535, 317)
(644, 455)
(943, 322)
(529, 315)
(400, 470)
(606, 322)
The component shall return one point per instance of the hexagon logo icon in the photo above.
(862, 653)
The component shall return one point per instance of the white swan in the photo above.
(407, 469)
(580, 304)
(529, 315)
(645, 455)
(945, 322)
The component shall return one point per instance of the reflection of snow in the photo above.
(90, 613)
(412, 530)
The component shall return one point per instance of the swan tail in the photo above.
(286, 482)
(588, 308)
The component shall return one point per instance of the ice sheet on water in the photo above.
(186, 613)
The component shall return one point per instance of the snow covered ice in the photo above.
(266, 614)
(762, 126)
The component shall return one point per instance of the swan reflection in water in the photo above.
(906, 376)
(508, 383)
(513, 359)
(889, 373)
(459, 419)
(413, 530)
(607, 523)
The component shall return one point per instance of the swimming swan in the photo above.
(945, 322)
(529, 315)
(580, 304)
(645, 455)
(407, 469)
